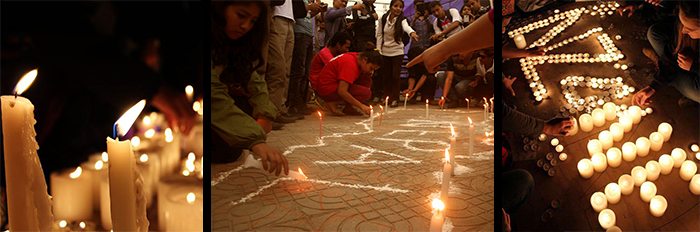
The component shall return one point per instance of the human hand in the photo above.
(358, 7)
(177, 109)
(411, 93)
(442, 102)
(313, 7)
(272, 159)
(654, 2)
(366, 110)
(558, 126)
(506, 220)
(431, 57)
(630, 8)
(415, 36)
(641, 98)
(508, 83)
(685, 62)
(435, 37)
(265, 123)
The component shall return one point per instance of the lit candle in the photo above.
(636, 113)
(626, 122)
(442, 98)
(467, 99)
(598, 201)
(184, 206)
(626, 183)
(543, 137)
(559, 148)
(405, 99)
(665, 129)
(72, 194)
(563, 156)
(320, 124)
(520, 42)
(189, 92)
(639, 174)
(653, 170)
(647, 191)
(371, 115)
(93, 167)
(149, 171)
(471, 136)
(105, 209)
(446, 176)
(614, 156)
(610, 111)
(666, 162)
(643, 144)
(585, 122)
(606, 139)
(657, 140)
(297, 175)
(695, 184)
(594, 146)
(585, 168)
(28, 203)
(658, 206)
(386, 102)
(612, 193)
(554, 141)
(599, 162)
(598, 117)
(426, 108)
(617, 131)
(688, 170)
(438, 216)
(629, 151)
(606, 218)
(678, 156)
(695, 148)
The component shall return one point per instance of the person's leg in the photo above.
(305, 89)
(288, 51)
(395, 86)
(462, 89)
(658, 35)
(440, 77)
(276, 72)
(361, 93)
(297, 76)
(427, 91)
(386, 78)
(688, 85)
(517, 185)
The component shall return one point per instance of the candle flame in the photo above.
(147, 120)
(105, 157)
(319, 114)
(196, 106)
(485, 101)
(426, 101)
(386, 99)
(129, 117)
(75, 174)
(168, 135)
(470, 121)
(407, 95)
(143, 158)
(82, 225)
(190, 198)
(447, 155)
(62, 223)
(185, 173)
(190, 166)
(381, 108)
(189, 90)
(438, 204)
(452, 129)
(135, 141)
(26, 80)
(149, 133)
(191, 156)
(99, 165)
(301, 172)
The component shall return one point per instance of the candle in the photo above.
(614, 229)
(636, 113)
(585, 168)
(438, 216)
(563, 156)
(612, 193)
(520, 42)
(617, 131)
(471, 136)
(629, 151)
(610, 111)
(657, 140)
(446, 176)
(626, 122)
(606, 218)
(93, 168)
(594, 146)
(442, 99)
(694, 148)
(658, 206)
(695, 184)
(149, 170)
(647, 191)
(405, 99)
(643, 144)
(666, 162)
(185, 209)
(606, 139)
(665, 129)
(678, 156)
(639, 174)
(554, 141)
(559, 148)
(653, 170)
(426, 108)
(467, 99)
(453, 147)
(543, 137)
(599, 162)
(626, 183)
(688, 170)
(585, 122)
(189, 92)
(28, 203)
(614, 156)
(371, 116)
(598, 201)
(598, 117)
(386, 102)
(127, 213)
(320, 124)
(105, 209)
(72, 194)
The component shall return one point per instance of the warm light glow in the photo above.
(189, 90)
(426, 101)
(75, 174)
(135, 141)
(191, 157)
(438, 204)
(168, 135)
(447, 155)
(129, 117)
(189, 165)
(196, 106)
(452, 129)
(99, 165)
(143, 158)
(470, 122)
(319, 114)
(185, 173)
(62, 223)
(147, 120)
(25, 81)
(301, 172)
(149, 133)
(190, 198)
(105, 157)
(82, 225)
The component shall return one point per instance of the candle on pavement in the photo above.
(657, 140)
(629, 151)
(599, 201)
(643, 144)
(678, 156)
(612, 193)
(585, 168)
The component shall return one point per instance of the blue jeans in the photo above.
(661, 37)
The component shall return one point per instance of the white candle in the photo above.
(320, 124)
(438, 216)
(600, 163)
(606, 139)
(563, 156)
(426, 108)
(543, 137)
(617, 131)
(614, 156)
(72, 194)
(585, 122)
(612, 193)
(446, 177)
(614, 229)
(471, 136)
(149, 171)
(636, 113)
(643, 144)
(184, 209)
(585, 168)
(694, 148)
(647, 191)
(386, 102)
(598, 201)
(520, 42)
(695, 184)
(688, 170)
(28, 203)
(610, 111)
(657, 140)
(594, 146)
(639, 174)
(665, 129)
(598, 117)
(626, 183)
(105, 209)
(93, 167)
(626, 122)
(678, 156)
(606, 218)
(405, 99)
(666, 162)
(554, 142)
(629, 151)
(653, 170)
(658, 206)
(559, 148)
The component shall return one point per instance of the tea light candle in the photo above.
(610, 111)
(695, 184)
(626, 183)
(688, 170)
(72, 194)
(614, 156)
(606, 218)
(658, 206)
(665, 129)
(606, 139)
(639, 174)
(585, 168)
(617, 131)
(694, 148)
(678, 156)
(612, 193)
(559, 148)
(643, 144)
(653, 170)
(626, 122)
(554, 142)
(636, 113)
(647, 191)
(598, 117)
(563, 156)
(629, 151)
(666, 162)
(520, 42)
(594, 146)
(614, 229)
(585, 122)
(657, 140)
(599, 162)
(438, 216)
(598, 201)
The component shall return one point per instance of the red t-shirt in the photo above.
(343, 67)
(319, 61)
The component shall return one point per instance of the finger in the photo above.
(286, 164)
(263, 160)
(417, 60)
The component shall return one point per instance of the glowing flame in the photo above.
(196, 106)
(191, 156)
(185, 173)
(149, 133)
(147, 120)
(381, 108)
(75, 174)
(169, 135)
(143, 158)
(105, 157)
(99, 165)
(190, 166)
(190, 198)
(319, 114)
(82, 225)
(26, 80)
(485, 101)
(426, 101)
(452, 128)
(301, 172)
(62, 223)
(189, 90)
(470, 121)
(129, 117)
(447, 155)
(407, 95)
(135, 141)
(438, 204)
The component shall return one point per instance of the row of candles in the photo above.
(603, 7)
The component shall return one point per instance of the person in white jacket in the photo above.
(391, 46)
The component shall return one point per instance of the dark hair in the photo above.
(684, 44)
(243, 56)
(339, 38)
(372, 57)
(398, 29)
(434, 4)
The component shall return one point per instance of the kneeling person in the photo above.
(348, 78)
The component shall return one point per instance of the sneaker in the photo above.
(277, 125)
(284, 119)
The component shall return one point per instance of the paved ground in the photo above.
(362, 179)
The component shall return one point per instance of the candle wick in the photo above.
(15, 95)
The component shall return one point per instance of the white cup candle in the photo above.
(606, 139)
(184, 209)
(678, 156)
(554, 142)
(599, 161)
(585, 168)
(657, 140)
(688, 170)
(647, 191)
(666, 162)
(438, 217)
(559, 148)
(643, 144)
(617, 131)
(639, 174)
(585, 122)
(626, 183)
(594, 146)
(606, 218)
(665, 129)
(563, 156)
(653, 170)
(72, 194)
(598, 117)
(626, 122)
(658, 206)
(612, 193)
(695, 184)
(614, 156)
(520, 42)
(636, 113)
(599, 201)
(610, 111)
(629, 151)
(695, 148)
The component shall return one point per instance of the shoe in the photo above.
(277, 125)
(284, 119)
(294, 115)
(394, 104)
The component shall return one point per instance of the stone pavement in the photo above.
(362, 179)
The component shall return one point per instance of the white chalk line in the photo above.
(370, 151)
